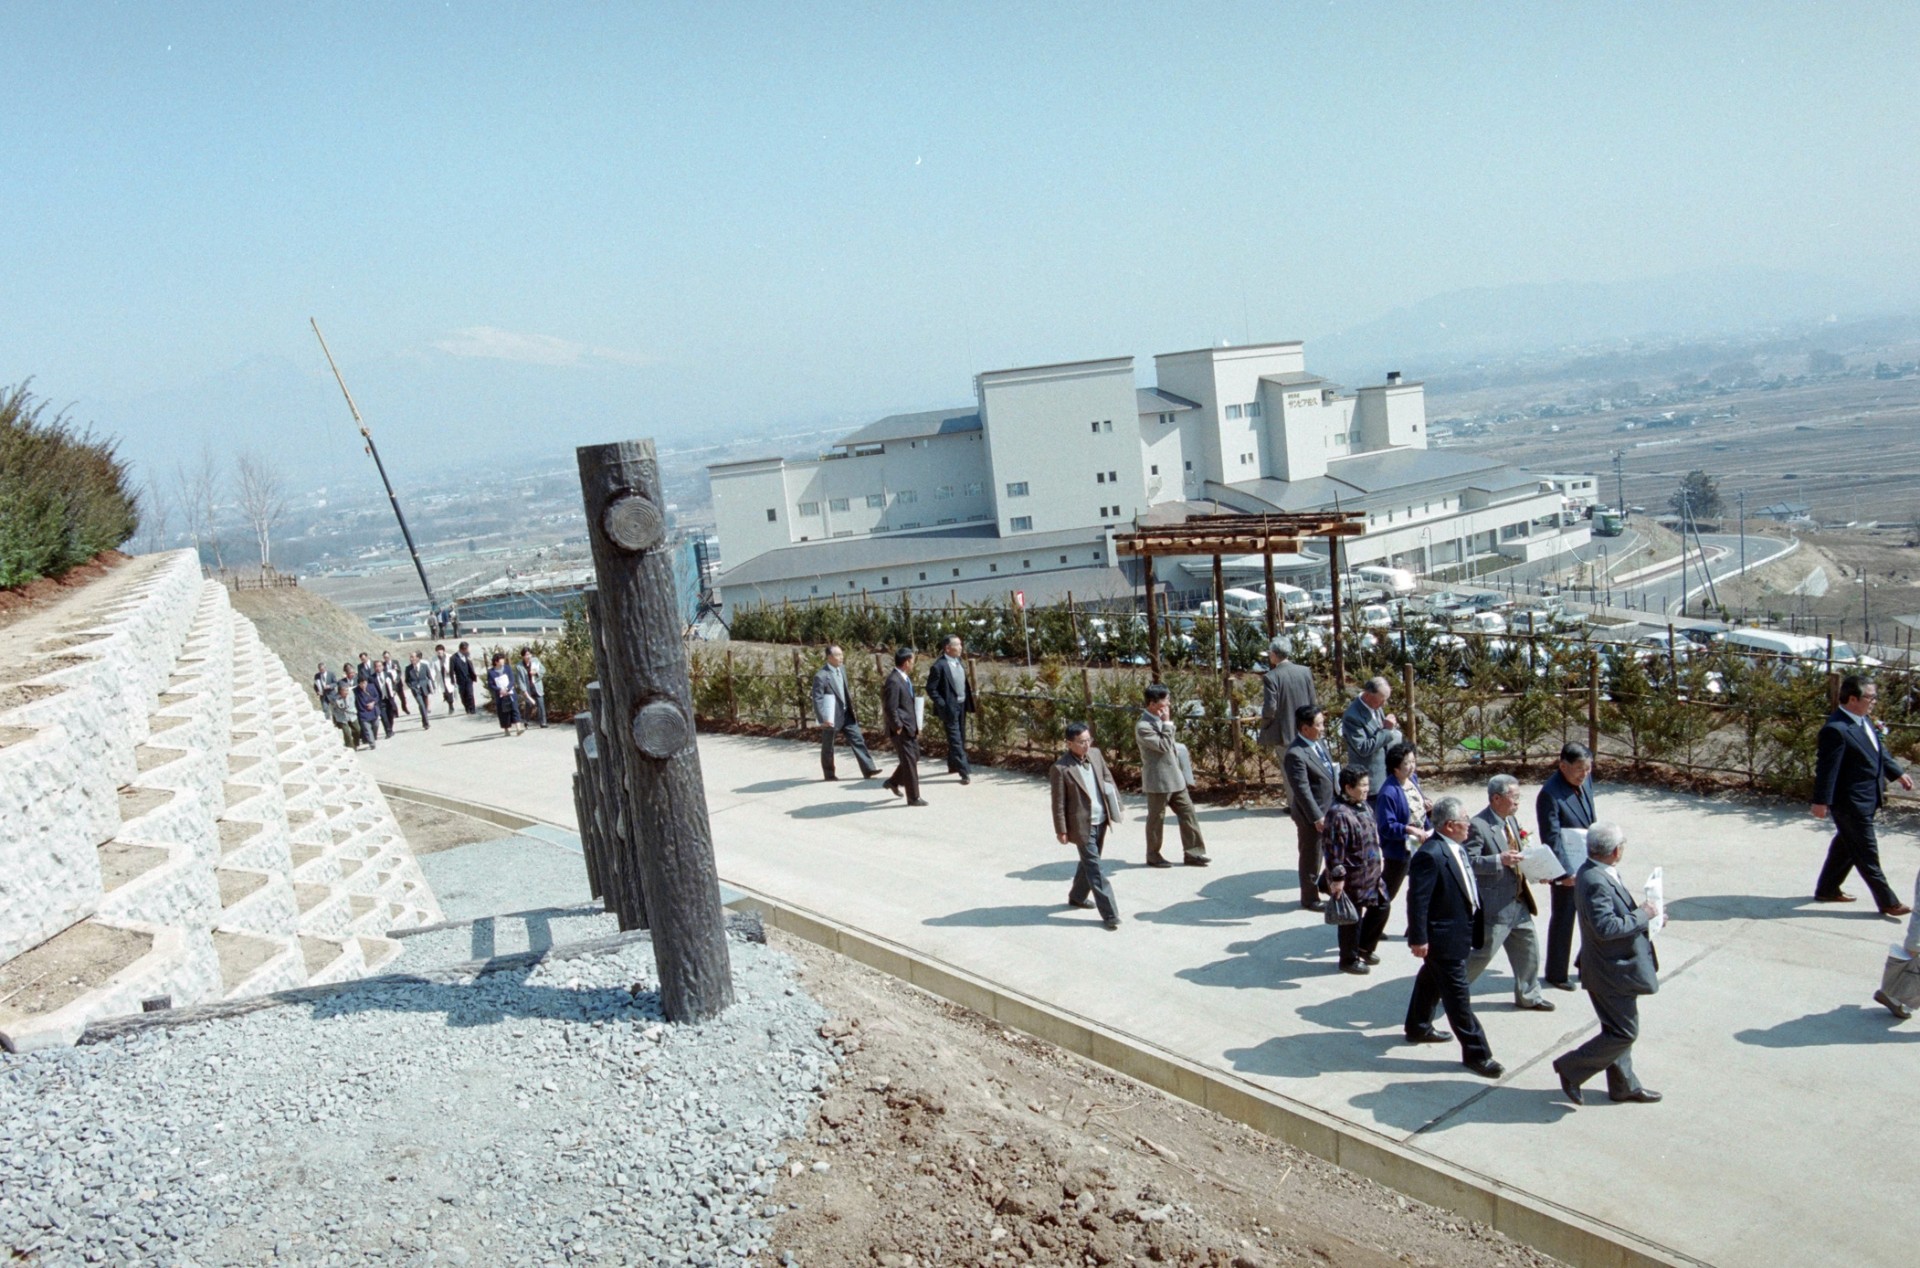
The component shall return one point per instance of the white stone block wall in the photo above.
(148, 682)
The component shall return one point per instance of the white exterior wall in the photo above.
(1390, 416)
(1453, 524)
(1166, 446)
(742, 494)
(1216, 378)
(1039, 433)
(923, 481)
(936, 576)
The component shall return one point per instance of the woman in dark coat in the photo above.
(500, 683)
(1351, 847)
(1400, 813)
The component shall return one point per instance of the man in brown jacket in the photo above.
(1085, 803)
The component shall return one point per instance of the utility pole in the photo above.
(1685, 515)
(1620, 482)
(1741, 497)
(433, 604)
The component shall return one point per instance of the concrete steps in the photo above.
(176, 817)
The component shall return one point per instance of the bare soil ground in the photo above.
(429, 829)
(952, 1140)
(20, 602)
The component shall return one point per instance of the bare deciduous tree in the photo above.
(198, 483)
(263, 498)
(156, 518)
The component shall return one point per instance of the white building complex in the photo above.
(1025, 488)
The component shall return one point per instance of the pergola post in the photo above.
(1153, 620)
(1220, 626)
(1339, 643)
(1271, 631)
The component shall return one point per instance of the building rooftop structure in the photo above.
(933, 422)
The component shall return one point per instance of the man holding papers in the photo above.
(1617, 966)
(1495, 846)
(1565, 802)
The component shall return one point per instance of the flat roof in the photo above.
(1238, 347)
(931, 422)
(1055, 365)
(1357, 480)
(1155, 400)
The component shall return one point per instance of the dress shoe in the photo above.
(1535, 1006)
(1486, 1068)
(1430, 1036)
(966, 779)
(1568, 1087)
(1312, 904)
(895, 789)
(1835, 898)
(1893, 1005)
(1082, 902)
(1639, 1095)
(1110, 925)
(1356, 967)
(917, 801)
(1898, 909)
(1371, 958)
(869, 774)
(831, 779)
(1561, 986)
(1202, 861)
(1158, 863)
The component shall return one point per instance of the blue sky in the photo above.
(543, 224)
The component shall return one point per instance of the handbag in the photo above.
(1341, 911)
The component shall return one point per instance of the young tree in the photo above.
(263, 498)
(198, 483)
(1697, 498)
(156, 518)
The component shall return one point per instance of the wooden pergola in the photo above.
(1280, 533)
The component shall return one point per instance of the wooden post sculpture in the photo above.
(649, 717)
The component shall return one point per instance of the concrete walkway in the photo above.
(1790, 1096)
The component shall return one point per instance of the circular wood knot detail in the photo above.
(634, 523)
(660, 730)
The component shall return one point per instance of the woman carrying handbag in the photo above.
(1355, 871)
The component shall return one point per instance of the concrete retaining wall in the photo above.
(161, 773)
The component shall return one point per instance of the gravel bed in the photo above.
(528, 1117)
(501, 935)
(512, 873)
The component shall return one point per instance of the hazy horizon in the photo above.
(524, 226)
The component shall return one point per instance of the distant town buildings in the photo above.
(1025, 487)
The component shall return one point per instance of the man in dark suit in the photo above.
(1617, 966)
(1285, 689)
(1850, 778)
(1086, 803)
(903, 728)
(1493, 849)
(952, 698)
(1310, 774)
(1444, 927)
(1565, 801)
(464, 677)
(1369, 731)
(833, 709)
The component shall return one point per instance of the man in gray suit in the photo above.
(1493, 849)
(1086, 803)
(1284, 690)
(1617, 966)
(833, 708)
(1309, 769)
(1369, 731)
(1166, 772)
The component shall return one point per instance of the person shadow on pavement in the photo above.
(1844, 1024)
(1270, 963)
(1233, 899)
(1408, 1106)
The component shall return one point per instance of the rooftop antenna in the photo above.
(433, 604)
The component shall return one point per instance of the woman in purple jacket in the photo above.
(1400, 813)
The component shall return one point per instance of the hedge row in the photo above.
(63, 494)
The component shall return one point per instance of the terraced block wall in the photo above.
(176, 817)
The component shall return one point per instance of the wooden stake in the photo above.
(650, 715)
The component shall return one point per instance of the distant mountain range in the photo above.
(1506, 321)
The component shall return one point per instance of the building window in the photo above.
(1512, 532)
(956, 572)
(1253, 409)
(844, 532)
(883, 580)
(1156, 469)
(1026, 563)
(1096, 427)
(1099, 477)
(836, 504)
(993, 567)
(1233, 411)
(1113, 477)
(911, 524)
(876, 500)
(1017, 489)
(1106, 424)
(923, 576)
(1063, 559)
(1165, 419)
(1189, 464)
(809, 508)
(1339, 438)
(772, 515)
(973, 488)
(813, 589)
(883, 528)
(853, 585)
(1096, 556)
(944, 491)
(1020, 524)
(947, 520)
(904, 496)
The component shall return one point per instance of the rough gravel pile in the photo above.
(541, 1117)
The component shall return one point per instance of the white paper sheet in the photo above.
(1656, 900)
(1540, 863)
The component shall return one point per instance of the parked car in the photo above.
(1489, 602)
(1531, 621)
(1396, 581)
(1374, 616)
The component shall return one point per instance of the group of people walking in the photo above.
(1365, 829)
(365, 700)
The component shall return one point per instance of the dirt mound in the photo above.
(950, 1139)
(305, 630)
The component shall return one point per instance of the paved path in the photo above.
(1791, 1104)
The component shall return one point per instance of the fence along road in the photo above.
(1783, 1082)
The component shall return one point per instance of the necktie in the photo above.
(1873, 741)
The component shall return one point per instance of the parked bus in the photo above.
(1762, 645)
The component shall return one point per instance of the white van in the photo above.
(1760, 645)
(1396, 581)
